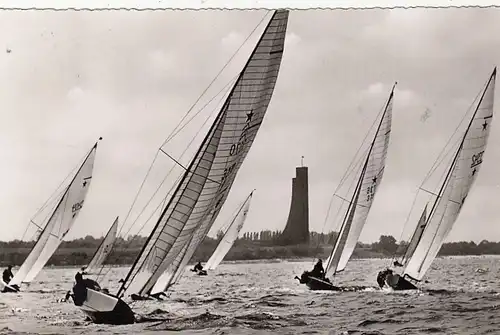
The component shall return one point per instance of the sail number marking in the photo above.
(477, 159)
(370, 192)
(77, 206)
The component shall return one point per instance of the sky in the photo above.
(70, 77)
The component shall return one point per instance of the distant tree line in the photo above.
(251, 246)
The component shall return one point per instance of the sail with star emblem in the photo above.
(104, 249)
(456, 185)
(364, 194)
(206, 183)
(59, 223)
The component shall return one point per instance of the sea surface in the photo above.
(461, 297)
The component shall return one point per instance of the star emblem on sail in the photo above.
(362, 198)
(59, 223)
(455, 186)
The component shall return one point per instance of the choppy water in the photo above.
(263, 298)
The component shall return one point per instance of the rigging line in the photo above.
(173, 133)
(353, 160)
(450, 138)
(51, 197)
(127, 245)
(354, 170)
(460, 139)
(440, 159)
(415, 199)
(357, 168)
(227, 87)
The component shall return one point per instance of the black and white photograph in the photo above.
(255, 171)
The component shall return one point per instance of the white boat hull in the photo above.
(106, 309)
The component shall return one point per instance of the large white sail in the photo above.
(229, 237)
(456, 186)
(364, 194)
(59, 223)
(104, 249)
(207, 181)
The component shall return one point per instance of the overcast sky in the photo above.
(69, 77)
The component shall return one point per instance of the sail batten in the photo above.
(59, 223)
(364, 194)
(456, 186)
(220, 155)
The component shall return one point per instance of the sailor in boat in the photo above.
(198, 267)
(83, 270)
(7, 274)
(318, 270)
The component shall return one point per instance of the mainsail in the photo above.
(415, 239)
(456, 185)
(104, 249)
(364, 194)
(205, 185)
(230, 236)
(59, 223)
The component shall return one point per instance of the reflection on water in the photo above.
(263, 298)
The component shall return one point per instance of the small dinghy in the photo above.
(203, 188)
(368, 181)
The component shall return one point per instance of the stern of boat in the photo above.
(6, 288)
(103, 308)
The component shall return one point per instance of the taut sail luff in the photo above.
(230, 236)
(59, 223)
(205, 185)
(104, 249)
(364, 194)
(456, 185)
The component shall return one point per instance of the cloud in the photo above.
(131, 77)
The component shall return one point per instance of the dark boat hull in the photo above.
(202, 273)
(316, 284)
(106, 309)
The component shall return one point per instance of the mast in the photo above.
(455, 158)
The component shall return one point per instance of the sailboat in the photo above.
(230, 235)
(433, 229)
(103, 250)
(357, 212)
(57, 226)
(205, 184)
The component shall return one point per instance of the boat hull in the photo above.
(103, 308)
(202, 273)
(316, 284)
(6, 288)
(396, 282)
